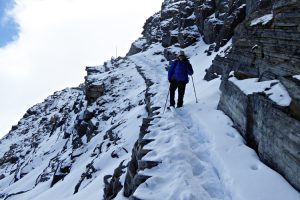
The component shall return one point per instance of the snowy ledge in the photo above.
(297, 77)
(273, 89)
(262, 20)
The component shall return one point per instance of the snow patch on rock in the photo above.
(262, 20)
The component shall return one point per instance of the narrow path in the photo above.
(185, 156)
(180, 146)
(200, 145)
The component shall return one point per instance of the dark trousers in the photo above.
(181, 89)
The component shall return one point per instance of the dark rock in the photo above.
(211, 29)
(151, 28)
(2, 176)
(76, 143)
(81, 128)
(144, 127)
(269, 48)
(203, 10)
(111, 135)
(88, 114)
(56, 179)
(174, 24)
(15, 127)
(234, 103)
(114, 186)
(267, 75)
(114, 155)
(88, 174)
(139, 179)
(186, 39)
(293, 88)
(225, 32)
(65, 169)
(9, 156)
(138, 46)
(278, 143)
(92, 70)
(169, 39)
(129, 184)
(253, 5)
(93, 92)
(169, 54)
(143, 164)
(66, 135)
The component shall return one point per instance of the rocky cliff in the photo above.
(182, 23)
(265, 46)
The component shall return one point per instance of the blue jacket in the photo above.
(179, 70)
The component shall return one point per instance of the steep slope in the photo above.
(109, 138)
(67, 143)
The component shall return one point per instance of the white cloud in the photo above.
(58, 38)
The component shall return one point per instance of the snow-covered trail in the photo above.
(185, 156)
(202, 156)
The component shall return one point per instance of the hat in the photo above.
(181, 53)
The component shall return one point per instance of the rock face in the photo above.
(93, 89)
(265, 46)
(182, 23)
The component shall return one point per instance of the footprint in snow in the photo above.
(254, 167)
(168, 126)
(232, 135)
(185, 117)
(167, 140)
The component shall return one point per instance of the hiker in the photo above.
(178, 78)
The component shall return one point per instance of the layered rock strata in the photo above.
(265, 46)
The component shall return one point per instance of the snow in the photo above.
(279, 95)
(225, 50)
(166, 22)
(201, 155)
(193, 16)
(250, 86)
(297, 77)
(214, 19)
(273, 89)
(127, 84)
(243, 5)
(262, 20)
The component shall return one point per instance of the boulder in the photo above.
(211, 29)
(94, 91)
(138, 46)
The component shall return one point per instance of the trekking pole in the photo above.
(194, 89)
(166, 101)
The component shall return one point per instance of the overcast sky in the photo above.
(46, 44)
